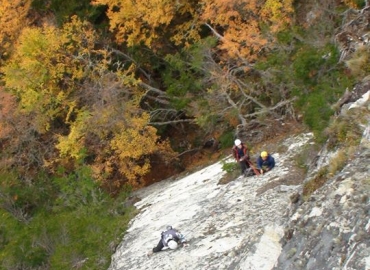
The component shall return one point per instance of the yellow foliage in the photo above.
(13, 18)
(278, 13)
(147, 21)
(46, 65)
(351, 3)
(73, 144)
(134, 144)
(138, 21)
(58, 75)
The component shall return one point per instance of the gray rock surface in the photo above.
(331, 230)
(234, 226)
(259, 222)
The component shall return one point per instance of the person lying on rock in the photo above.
(241, 155)
(265, 162)
(171, 238)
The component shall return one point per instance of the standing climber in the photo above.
(241, 155)
(170, 238)
(265, 162)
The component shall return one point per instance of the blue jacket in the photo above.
(268, 163)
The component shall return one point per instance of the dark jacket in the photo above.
(172, 234)
(239, 153)
(268, 163)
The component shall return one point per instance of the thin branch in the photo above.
(219, 36)
(132, 60)
(188, 151)
(240, 85)
(270, 109)
(172, 122)
(153, 89)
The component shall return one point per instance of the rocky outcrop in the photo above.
(331, 230)
(234, 226)
(263, 223)
(259, 223)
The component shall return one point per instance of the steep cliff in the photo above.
(286, 219)
(261, 222)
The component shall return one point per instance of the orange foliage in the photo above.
(7, 105)
(351, 3)
(143, 20)
(240, 22)
(13, 17)
(237, 23)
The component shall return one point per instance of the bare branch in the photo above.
(271, 109)
(219, 36)
(163, 113)
(132, 60)
(153, 89)
(240, 85)
(188, 151)
(172, 122)
(158, 100)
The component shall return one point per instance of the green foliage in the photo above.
(229, 166)
(183, 73)
(77, 228)
(64, 9)
(320, 91)
(22, 199)
(232, 172)
(284, 37)
(317, 112)
(311, 74)
(207, 121)
(77, 189)
(307, 65)
(227, 139)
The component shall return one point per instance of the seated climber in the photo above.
(265, 162)
(241, 155)
(171, 238)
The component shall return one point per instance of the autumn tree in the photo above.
(244, 31)
(13, 17)
(152, 21)
(73, 95)
(237, 23)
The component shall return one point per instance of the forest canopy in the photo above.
(109, 87)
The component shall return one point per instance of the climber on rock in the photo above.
(241, 155)
(170, 238)
(265, 162)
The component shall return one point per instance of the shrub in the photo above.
(338, 162)
(359, 64)
(315, 183)
(227, 139)
(344, 131)
(76, 229)
(229, 167)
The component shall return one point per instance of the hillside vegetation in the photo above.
(102, 97)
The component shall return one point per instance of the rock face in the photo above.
(259, 222)
(331, 230)
(263, 223)
(234, 226)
